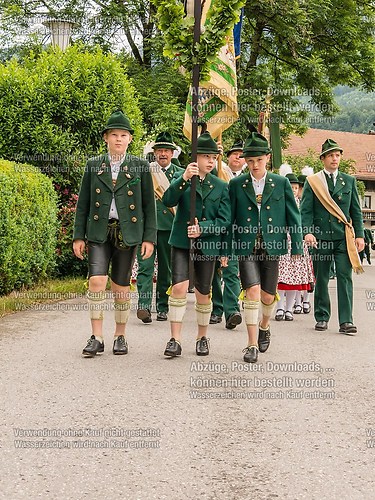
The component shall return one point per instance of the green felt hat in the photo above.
(301, 179)
(206, 145)
(256, 145)
(292, 178)
(176, 162)
(330, 145)
(237, 146)
(118, 120)
(164, 140)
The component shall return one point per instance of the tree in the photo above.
(290, 48)
(102, 22)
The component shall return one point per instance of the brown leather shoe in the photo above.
(144, 315)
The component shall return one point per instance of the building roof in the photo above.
(358, 147)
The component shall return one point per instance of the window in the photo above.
(366, 202)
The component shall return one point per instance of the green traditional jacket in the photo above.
(134, 197)
(212, 212)
(278, 216)
(318, 221)
(163, 215)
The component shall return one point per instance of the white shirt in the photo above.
(258, 188)
(334, 175)
(115, 169)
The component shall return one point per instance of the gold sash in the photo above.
(161, 182)
(318, 183)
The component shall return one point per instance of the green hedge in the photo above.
(53, 106)
(28, 226)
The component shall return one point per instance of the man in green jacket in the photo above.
(226, 300)
(162, 170)
(263, 212)
(326, 234)
(115, 213)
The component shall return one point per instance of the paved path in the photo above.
(141, 426)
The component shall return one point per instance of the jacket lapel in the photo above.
(207, 186)
(104, 172)
(124, 176)
(268, 188)
(340, 184)
(248, 188)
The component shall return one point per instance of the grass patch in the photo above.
(46, 292)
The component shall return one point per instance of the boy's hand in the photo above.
(79, 248)
(310, 240)
(191, 170)
(194, 231)
(224, 261)
(147, 249)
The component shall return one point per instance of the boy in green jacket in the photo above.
(212, 220)
(263, 212)
(115, 213)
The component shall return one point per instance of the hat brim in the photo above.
(164, 145)
(254, 153)
(117, 126)
(207, 152)
(323, 153)
(233, 151)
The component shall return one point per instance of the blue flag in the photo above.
(237, 35)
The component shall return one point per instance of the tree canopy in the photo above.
(298, 51)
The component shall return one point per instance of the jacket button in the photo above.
(204, 218)
(164, 211)
(96, 217)
(97, 190)
(249, 208)
(270, 219)
(134, 219)
(132, 207)
(268, 207)
(248, 219)
(130, 193)
(97, 204)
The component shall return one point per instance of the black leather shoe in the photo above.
(120, 346)
(214, 319)
(264, 339)
(251, 354)
(202, 347)
(93, 347)
(161, 316)
(173, 348)
(233, 320)
(321, 326)
(348, 329)
(144, 315)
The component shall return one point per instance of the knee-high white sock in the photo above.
(251, 311)
(96, 302)
(177, 308)
(203, 312)
(122, 311)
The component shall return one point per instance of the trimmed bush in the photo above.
(54, 105)
(28, 226)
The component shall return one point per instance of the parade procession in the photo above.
(241, 225)
(187, 228)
